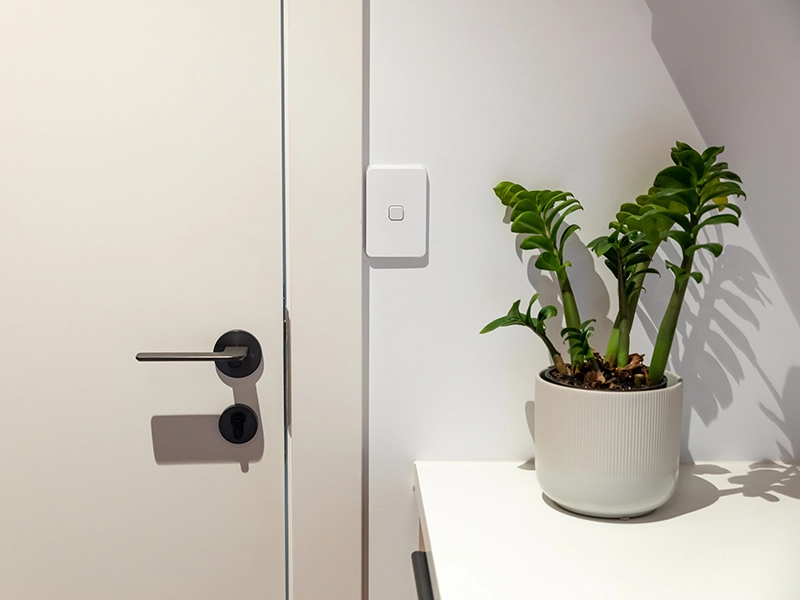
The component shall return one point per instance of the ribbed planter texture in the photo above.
(605, 453)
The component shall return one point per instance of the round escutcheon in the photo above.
(238, 424)
(239, 368)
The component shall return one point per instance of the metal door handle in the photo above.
(237, 353)
(229, 353)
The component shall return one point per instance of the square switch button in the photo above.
(396, 213)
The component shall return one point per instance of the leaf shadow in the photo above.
(590, 289)
(710, 345)
(767, 480)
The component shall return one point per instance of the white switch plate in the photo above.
(397, 185)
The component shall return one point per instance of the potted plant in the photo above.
(608, 426)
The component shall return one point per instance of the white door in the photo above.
(140, 210)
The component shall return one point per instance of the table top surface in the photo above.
(732, 531)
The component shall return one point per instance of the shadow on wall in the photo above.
(709, 345)
(789, 419)
(590, 290)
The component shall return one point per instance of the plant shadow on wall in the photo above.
(588, 284)
(789, 419)
(711, 344)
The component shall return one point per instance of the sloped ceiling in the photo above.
(736, 63)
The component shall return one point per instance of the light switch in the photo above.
(397, 211)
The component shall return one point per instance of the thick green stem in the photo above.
(613, 344)
(571, 316)
(555, 355)
(612, 350)
(623, 350)
(666, 332)
(624, 343)
(638, 280)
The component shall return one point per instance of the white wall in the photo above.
(551, 94)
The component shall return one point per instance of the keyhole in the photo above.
(238, 424)
(237, 420)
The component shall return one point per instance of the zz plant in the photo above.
(692, 194)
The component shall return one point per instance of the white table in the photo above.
(732, 531)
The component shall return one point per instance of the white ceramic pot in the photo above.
(605, 453)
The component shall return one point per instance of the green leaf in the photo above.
(666, 201)
(564, 236)
(548, 312)
(506, 191)
(539, 242)
(534, 298)
(720, 207)
(676, 270)
(564, 215)
(726, 175)
(528, 222)
(715, 220)
(514, 311)
(710, 153)
(716, 189)
(631, 208)
(523, 206)
(645, 199)
(685, 198)
(637, 260)
(562, 203)
(697, 276)
(556, 207)
(675, 177)
(550, 199)
(501, 322)
(713, 247)
(635, 247)
(691, 159)
(684, 239)
(673, 216)
(600, 245)
(547, 261)
(720, 201)
(733, 207)
(631, 288)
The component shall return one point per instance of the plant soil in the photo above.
(633, 376)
